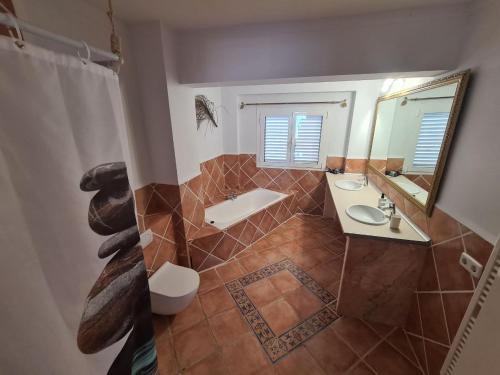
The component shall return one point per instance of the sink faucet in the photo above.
(388, 205)
(392, 207)
(232, 195)
(364, 180)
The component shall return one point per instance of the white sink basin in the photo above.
(349, 185)
(366, 214)
(410, 188)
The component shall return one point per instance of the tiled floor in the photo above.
(272, 311)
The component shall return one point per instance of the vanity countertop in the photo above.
(369, 195)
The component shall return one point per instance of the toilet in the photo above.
(172, 288)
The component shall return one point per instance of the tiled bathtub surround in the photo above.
(241, 173)
(192, 207)
(213, 180)
(445, 288)
(212, 247)
(176, 214)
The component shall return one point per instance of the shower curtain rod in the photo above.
(431, 98)
(343, 103)
(24, 26)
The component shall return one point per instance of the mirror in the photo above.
(412, 134)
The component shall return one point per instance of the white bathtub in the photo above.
(229, 212)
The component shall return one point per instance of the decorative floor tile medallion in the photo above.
(278, 346)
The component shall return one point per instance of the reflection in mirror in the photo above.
(411, 130)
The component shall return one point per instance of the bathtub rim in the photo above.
(241, 218)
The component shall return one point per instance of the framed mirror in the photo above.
(412, 133)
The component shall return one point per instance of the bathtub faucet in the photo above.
(232, 195)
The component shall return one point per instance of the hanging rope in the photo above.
(114, 39)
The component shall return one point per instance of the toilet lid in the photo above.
(174, 281)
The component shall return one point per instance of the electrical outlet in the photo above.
(146, 238)
(471, 265)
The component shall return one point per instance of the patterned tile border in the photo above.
(275, 346)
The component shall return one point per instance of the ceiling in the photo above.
(197, 14)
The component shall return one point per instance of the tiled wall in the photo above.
(390, 164)
(213, 180)
(422, 180)
(349, 165)
(192, 207)
(395, 164)
(445, 288)
(214, 246)
(176, 214)
(379, 164)
(379, 278)
(158, 209)
(241, 173)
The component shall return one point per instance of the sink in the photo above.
(410, 188)
(349, 185)
(366, 214)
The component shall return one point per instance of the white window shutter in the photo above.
(307, 138)
(430, 139)
(276, 137)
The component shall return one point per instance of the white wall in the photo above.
(182, 113)
(336, 123)
(470, 188)
(383, 130)
(154, 100)
(240, 124)
(353, 124)
(210, 138)
(374, 43)
(72, 19)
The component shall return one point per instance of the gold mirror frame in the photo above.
(461, 78)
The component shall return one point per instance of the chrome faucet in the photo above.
(232, 195)
(390, 205)
(364, 180)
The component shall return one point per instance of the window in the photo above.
(291, 139)
(430, 139)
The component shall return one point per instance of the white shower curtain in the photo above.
(58, 119)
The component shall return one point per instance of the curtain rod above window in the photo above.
(11, 21)
(431, 98)
(343, 103)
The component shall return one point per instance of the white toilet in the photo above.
(172, 288)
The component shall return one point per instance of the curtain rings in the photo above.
(86, 60)
(18, 41)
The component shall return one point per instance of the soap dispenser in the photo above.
(395, 218)
(382, 201)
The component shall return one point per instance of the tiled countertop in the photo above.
(368, 196)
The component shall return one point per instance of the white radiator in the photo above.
(476, 347)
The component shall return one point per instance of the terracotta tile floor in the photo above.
(273, 311)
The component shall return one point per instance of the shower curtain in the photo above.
(73, 286)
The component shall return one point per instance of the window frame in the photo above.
(291, 113)
(412, 168)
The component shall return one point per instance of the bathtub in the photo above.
(229, 212)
